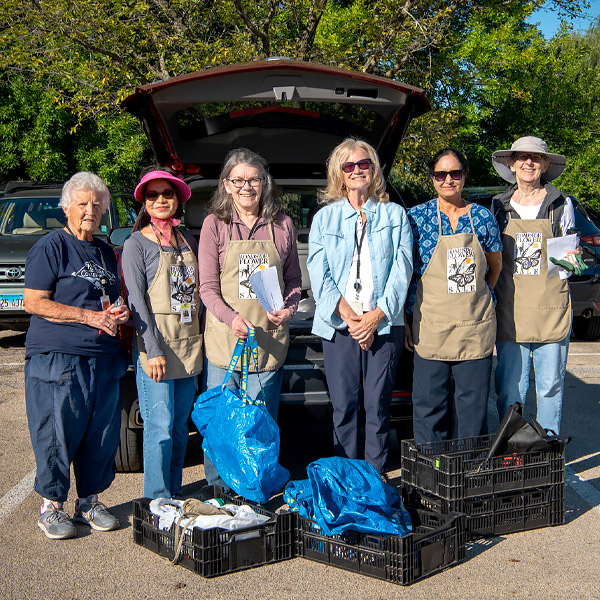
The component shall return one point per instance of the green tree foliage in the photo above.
(84, 56)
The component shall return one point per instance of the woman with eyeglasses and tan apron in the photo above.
(457, 263)
(245, 232)
(161, 273)
(534, 309)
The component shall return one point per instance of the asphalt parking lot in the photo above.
(550, 563)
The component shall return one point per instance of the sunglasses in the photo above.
(363, 165)
(441, 175)
(166, 194)
(522, 157)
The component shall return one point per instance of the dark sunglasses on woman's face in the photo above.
(166, 194)
(363, 165)
(441, 175)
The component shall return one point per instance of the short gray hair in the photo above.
(221, 204)
(84, 180)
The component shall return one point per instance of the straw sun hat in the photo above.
(501, 159)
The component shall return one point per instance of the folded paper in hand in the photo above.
(265, 284)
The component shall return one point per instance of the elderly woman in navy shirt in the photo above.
(457, 264)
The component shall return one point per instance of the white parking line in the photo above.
(585, 489)
(584, 354)
(16, 496)
(12, 364)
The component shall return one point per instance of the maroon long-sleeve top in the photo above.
(211, 253)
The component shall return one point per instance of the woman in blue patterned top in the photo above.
(456, 264)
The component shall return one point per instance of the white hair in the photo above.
(84, 180)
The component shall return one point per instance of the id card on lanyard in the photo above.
(357, 305)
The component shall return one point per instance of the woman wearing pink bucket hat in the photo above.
(533, 309)
(160, 266)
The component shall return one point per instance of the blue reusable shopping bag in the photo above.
(343, 494)
(240, 436)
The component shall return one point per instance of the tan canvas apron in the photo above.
(532, 307)
(175, 283)
(454, 316)
(242, 258)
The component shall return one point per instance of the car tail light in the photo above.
(592, 240)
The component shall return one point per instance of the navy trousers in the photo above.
(74, 414)
(355, 377)
(432, 406)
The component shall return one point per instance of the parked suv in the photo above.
(293, 114)
(29, 210)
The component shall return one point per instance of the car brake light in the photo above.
(592, 240)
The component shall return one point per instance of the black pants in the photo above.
(432, 409)
(346, 366)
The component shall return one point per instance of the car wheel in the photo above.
(129, 455)
(587, 329)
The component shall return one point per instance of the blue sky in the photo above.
(549, 21)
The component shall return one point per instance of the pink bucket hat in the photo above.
(183, 189)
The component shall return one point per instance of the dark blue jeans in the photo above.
(354, 376)
(74, 414)
(432, 406)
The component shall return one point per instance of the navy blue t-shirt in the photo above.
(58, 263)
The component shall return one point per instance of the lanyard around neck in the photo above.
(252, 230)
(103, 279)
(359, 244)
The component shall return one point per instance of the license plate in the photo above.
(11, 302)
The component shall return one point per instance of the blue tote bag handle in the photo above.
(244, 350)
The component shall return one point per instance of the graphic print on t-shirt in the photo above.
(248, 264)
(528, 252)
(460, 268)
(182, 281)
(94, 273)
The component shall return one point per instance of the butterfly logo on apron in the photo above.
(182, 283)
(461, 270)
(528, 248)
(248, 264)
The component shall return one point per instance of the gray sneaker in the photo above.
(96, 515)
(56, 524)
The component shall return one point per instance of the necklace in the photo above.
(175, 247)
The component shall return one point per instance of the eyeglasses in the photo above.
(239, 183)
(522, 157)
(363, 165)
(153, 195)
(441, 175)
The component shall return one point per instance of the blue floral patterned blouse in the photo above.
(424, 222)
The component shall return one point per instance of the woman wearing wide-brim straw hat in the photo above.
(533, 310)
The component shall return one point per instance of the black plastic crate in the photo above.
(437, 541)
(458, 469)
(499, 514)
(212, 552)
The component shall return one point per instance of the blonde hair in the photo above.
(336, 189)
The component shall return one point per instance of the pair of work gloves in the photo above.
(571, 262)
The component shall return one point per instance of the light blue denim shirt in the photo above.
(330, 251)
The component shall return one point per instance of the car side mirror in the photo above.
(118, 235)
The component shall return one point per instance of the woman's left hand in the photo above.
(278, 317)
(365, 325)
(120, 313)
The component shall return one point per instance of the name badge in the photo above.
(105, 302)
(185, 310)
(357, 307)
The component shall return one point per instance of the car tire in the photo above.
(130, 452)
(587, 329)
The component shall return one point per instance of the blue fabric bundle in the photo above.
(343, 494)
